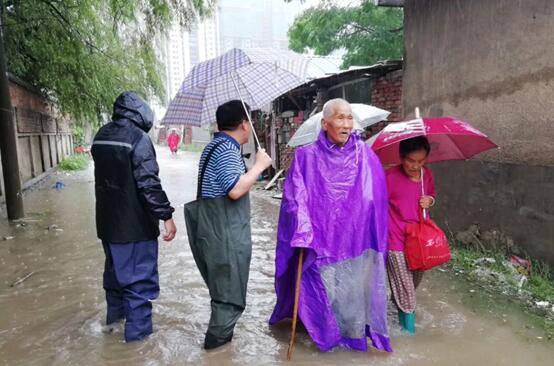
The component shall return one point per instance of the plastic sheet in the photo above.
(352, 286)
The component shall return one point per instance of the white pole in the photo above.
(423, 192)
(417, 116)
(246, 110)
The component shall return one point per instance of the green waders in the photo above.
(219, 235)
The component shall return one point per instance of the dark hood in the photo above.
(130, 106)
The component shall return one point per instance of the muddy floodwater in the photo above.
(52, 302)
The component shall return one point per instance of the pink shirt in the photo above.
(404, 195)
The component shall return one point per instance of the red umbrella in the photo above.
(450, 139)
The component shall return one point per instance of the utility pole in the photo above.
(8, 138)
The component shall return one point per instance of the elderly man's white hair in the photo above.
(329, 106)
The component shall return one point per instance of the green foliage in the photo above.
(368, 33)
(541, 281)
(74, 162)
(83, 53)
(78, 134)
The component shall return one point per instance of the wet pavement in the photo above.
(52, 303)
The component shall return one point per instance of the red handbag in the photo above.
(426, 245)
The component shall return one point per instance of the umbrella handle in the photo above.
(256, 141)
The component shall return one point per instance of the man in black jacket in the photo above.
(130, 202)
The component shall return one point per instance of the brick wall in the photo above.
(386, 93)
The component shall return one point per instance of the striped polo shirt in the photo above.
(224, 168)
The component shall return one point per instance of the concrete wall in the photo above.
(513, 199)
(490, 63)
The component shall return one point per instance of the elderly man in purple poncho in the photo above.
(335, 207)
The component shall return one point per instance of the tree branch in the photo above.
(64, 21)
(363, 29)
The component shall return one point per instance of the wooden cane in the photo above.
(295, 311)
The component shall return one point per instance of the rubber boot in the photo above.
(211, 341)
(409, 322)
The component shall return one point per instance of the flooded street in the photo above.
(52, 301)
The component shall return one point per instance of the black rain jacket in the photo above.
(130, 200)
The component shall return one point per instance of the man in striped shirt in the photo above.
(223, 247)
(225, 174)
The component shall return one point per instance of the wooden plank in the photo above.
(272, 181)
(32, 158)
(48, 124)
(28, 121)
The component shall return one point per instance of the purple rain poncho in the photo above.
(335, 206)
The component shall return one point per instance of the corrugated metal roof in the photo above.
(389, 3)
(352, 73)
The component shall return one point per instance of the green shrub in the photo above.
(74, 162)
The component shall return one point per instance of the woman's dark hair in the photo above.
(414, 144)
(230, 115)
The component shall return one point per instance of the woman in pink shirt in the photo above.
(406, 201)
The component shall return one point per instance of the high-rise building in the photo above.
(182, 49)
(178, 58)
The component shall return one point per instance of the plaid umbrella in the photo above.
(256, 76)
